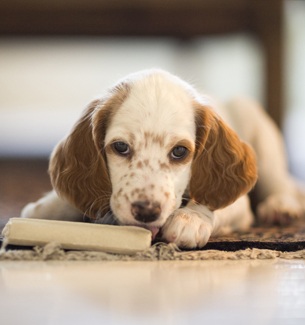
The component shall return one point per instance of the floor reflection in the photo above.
(162, 292)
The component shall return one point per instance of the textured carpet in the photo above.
(157, 252)
(290, 239)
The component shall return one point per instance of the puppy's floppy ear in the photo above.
(78, 166)
(224, 167)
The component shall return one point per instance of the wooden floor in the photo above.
(166, 292)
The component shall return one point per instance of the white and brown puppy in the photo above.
(152, 139)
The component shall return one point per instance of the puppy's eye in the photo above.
(121, 147)
(179, 152)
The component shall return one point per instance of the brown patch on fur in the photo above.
(184, 216)
(139, 165)
(224, 167)
(164, 167)
(153, 138)
(142, 197)
(131, 138)
(127, 184)
(123, 177)
(78, 165)
(132, 175)
(105, 112)
(167, 194)
(117, 205)
(135, 191)
(146, 162)
(146, 139)
(159, 139)
(139, 146)
(152, 186)
(109, 150)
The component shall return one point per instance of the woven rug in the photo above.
(258, 243)
(23, 181)
(157, 252)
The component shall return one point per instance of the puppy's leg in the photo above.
(189, 227)
(236, 217)
(53, 208)
(193, 225)
(277, 190)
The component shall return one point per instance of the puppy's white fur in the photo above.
(150, 123)
(156, 115)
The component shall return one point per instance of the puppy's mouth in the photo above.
(111, 219)
(154, 230)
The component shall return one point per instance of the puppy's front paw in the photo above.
(187, 229)
(279, 209)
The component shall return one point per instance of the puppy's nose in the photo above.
(145, 211)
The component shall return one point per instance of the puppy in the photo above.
(153, 140)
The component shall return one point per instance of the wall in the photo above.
(46, 82)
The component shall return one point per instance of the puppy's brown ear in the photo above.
(78, 166)
(78, 170)
(224, 167)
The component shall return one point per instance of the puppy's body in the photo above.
(152, 139)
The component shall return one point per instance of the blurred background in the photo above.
(56, 56)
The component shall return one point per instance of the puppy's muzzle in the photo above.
(146, 211)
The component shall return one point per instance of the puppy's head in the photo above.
(140, 146)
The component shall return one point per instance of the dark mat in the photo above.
(285, 239)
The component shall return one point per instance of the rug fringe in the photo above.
(157, 252)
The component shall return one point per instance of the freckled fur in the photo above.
(164, 167)
(123, 177)
(152, 111)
